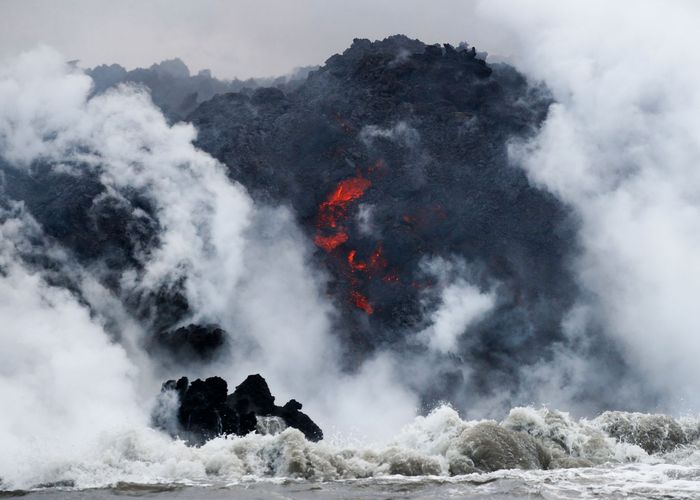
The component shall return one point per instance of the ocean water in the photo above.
(641, 481)
(533, 453)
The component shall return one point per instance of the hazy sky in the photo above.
(232, 38)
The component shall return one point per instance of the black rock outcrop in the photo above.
(412, 139)
(191, 342)
(205, 410)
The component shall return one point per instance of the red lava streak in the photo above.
(357, 266)
(330, 230)
(333, 211)
(331, 233)
(376, 261)
(329, 243)
(361, 302)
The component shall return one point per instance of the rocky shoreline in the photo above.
(203, 409)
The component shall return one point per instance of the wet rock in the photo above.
(294, 418)
(253, 395)
(461, 465)
(202, 410)
(203, 413)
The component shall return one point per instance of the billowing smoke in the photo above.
(489, 241)
(72, 342)
(621, 146)
(394, 155)
(460, 305)
(62, 379)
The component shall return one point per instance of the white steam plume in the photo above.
(461, 305)
(245, 267)
(63, 382)
(622, 146)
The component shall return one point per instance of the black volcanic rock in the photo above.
(253, 395)
(428, 128)
(204, 411)
(200, 342)
(294, 418)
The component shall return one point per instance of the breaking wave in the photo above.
(440, 444)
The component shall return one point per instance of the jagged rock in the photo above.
(253, 395)
(204, 411)
(294, 418)
(178, 92)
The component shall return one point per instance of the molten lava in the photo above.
(333, 211)
(330, 243)
(330, 230)
(331, 233)
(357, 266)
(376, 261)
(361, 302)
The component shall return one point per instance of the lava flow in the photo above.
(361, 302)
(331, 233)
(330, 223)
(333, 211)
(376, 261)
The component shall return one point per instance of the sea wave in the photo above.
(440, 444)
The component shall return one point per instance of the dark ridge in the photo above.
(175, 90)
(391, 154)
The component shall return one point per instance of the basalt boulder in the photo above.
(202, 410)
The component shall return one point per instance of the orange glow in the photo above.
(332, 233)
(361, 302)
(333, 211)
(330, 243)
(377, 261)
(357, 266)
(347, 191)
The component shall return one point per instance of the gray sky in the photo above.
(232, 38)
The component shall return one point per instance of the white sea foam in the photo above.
(439, 444)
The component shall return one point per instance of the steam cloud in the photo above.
(621, 146)
(73, 368)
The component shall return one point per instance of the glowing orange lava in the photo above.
(361, 302)
(330, 243)
(357, 266)
(331, 233)
(333, 211)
